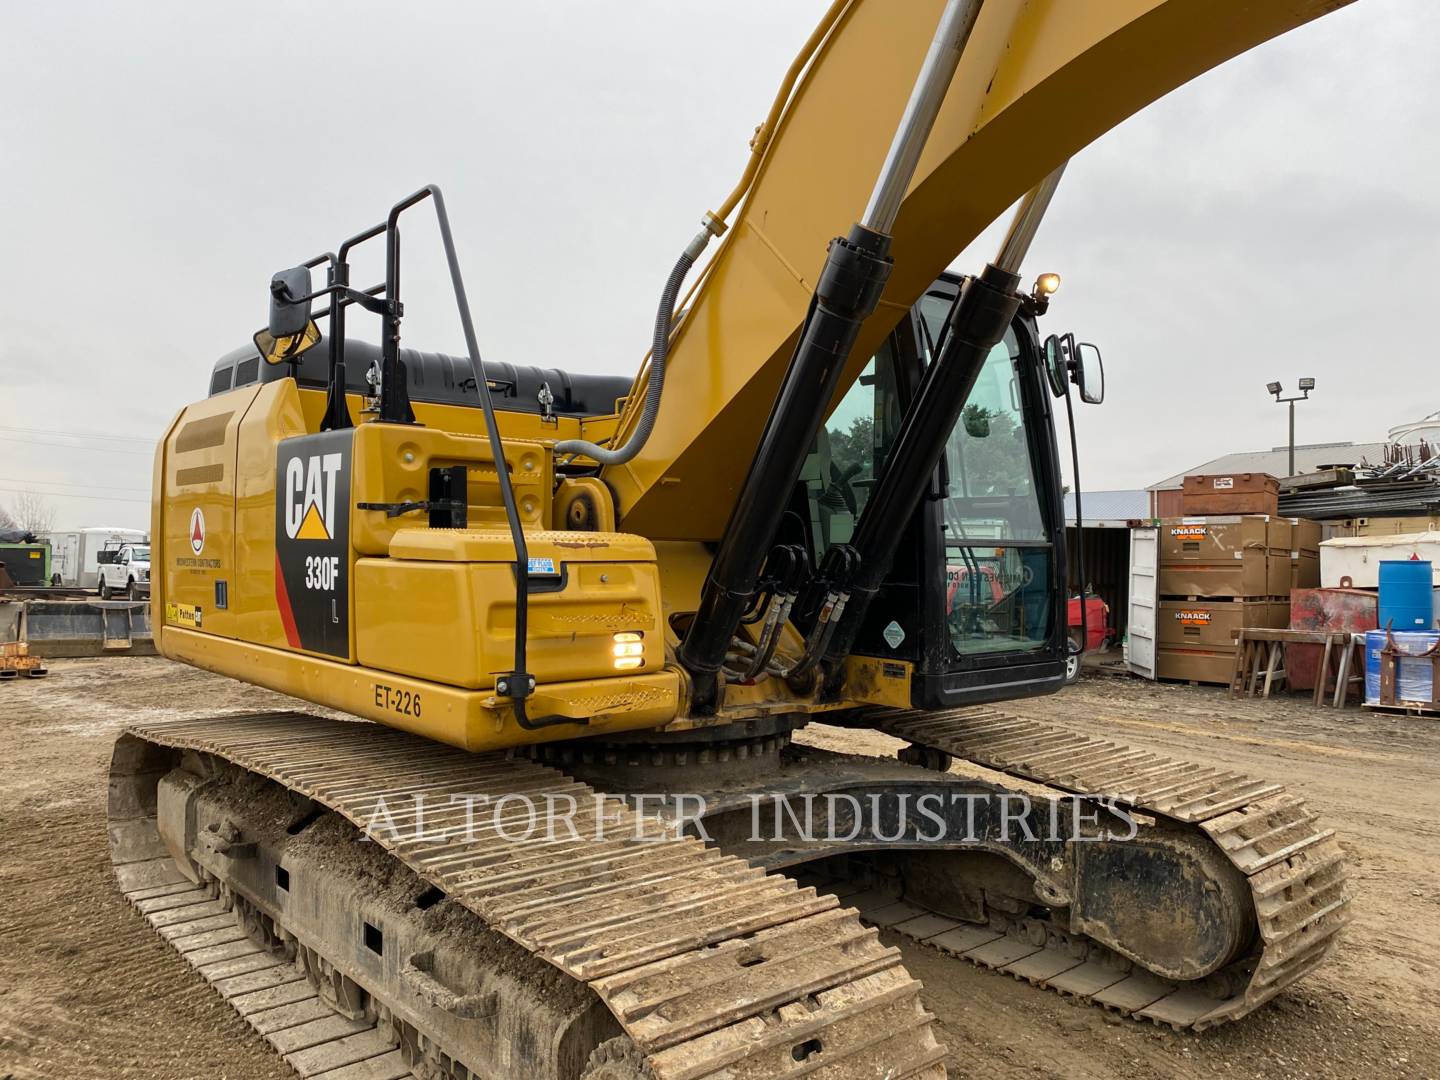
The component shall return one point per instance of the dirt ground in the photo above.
(88, 991)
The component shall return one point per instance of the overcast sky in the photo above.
(1277, 217)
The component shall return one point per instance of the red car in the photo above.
(1099, 634)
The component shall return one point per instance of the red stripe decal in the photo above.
(282, 601)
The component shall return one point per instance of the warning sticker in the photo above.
(893, 634)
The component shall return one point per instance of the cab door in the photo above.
(973, 605)
(995, 537)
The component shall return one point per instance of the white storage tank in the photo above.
(1354, 561)
(1426, 429)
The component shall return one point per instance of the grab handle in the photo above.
(418, 974)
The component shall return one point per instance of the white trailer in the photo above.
(73, 552)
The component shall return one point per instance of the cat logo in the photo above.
(312, 541)
(310, 496)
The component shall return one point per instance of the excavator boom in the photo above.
(1039, 80)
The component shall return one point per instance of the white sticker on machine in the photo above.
(894, 634)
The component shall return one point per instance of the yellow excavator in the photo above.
(573, 621)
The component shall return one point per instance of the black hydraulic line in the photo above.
(847, 292)
(978, 322)
(1079, 528)
(655, 384)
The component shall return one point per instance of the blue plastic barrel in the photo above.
(1407, 599)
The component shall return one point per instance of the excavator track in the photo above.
(711, 967)
(1295, 870)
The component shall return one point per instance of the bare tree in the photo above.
(32, 512)
(6, 521)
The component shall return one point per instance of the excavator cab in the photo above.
(974, 599)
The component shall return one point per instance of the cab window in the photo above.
(1000, 561)
(839, 473)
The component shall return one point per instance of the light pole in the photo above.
(1305, 385)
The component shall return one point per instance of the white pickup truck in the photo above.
(125, 571)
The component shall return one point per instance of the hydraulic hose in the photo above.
(659, 349)
(714, 226)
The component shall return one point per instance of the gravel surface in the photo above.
(88, 991)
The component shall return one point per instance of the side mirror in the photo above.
(1055, 365)
(291, 331)
(1090, 373)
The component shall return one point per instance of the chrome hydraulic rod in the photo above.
(936, 72)
(1026, 222)
(983, 311)
(846, 293)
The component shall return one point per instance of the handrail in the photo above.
(517, 684)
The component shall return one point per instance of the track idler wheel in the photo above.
(617, 1059)
(925, 757)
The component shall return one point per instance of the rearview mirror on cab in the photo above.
(1067, 362)
(1055, 364)
(1089, 373)
(291, 331)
